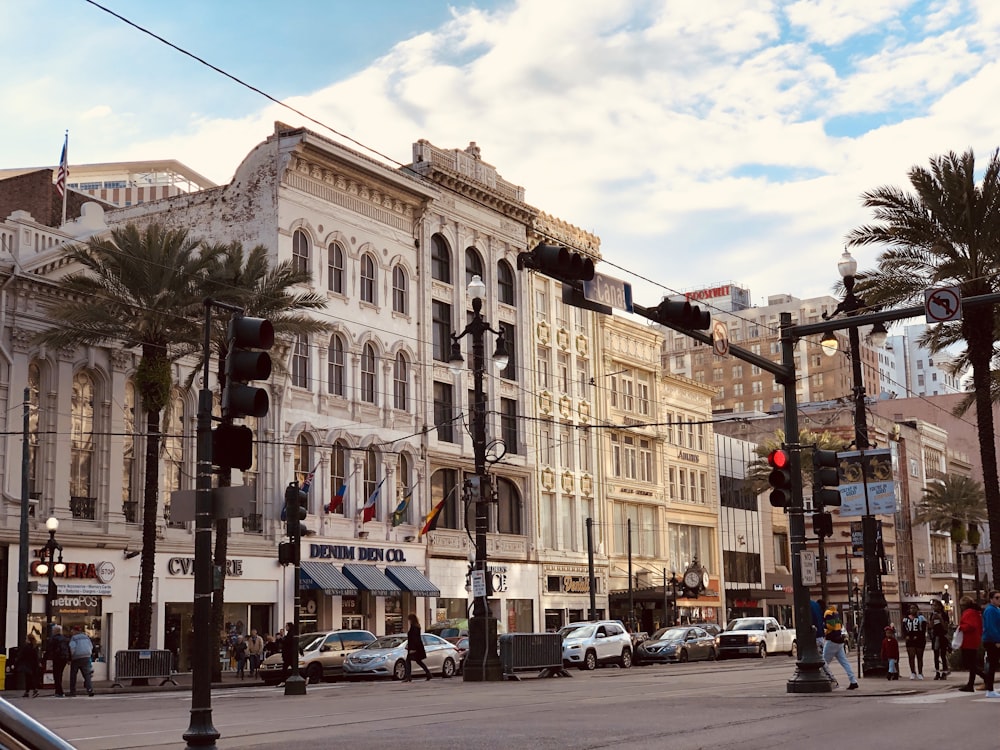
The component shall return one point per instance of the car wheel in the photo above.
(314, 674)
(683, 656)
(762, 651)
(399, 670)
(713, 655)
(448, 668)
(626, 661)
(589, 661)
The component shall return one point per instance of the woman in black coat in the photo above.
(27, 664)
(415, 648)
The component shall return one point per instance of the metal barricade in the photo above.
(523, 652)
(143, 663)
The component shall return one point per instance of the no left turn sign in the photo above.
(943, 304)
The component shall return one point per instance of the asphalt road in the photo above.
(737, 705)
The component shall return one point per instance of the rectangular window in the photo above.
(444, 411)
(682, 478)
(672, 482)
(441, 323)
(703, 487)
(562, 371)
(548, 520)
(508, 424)
(545, 444)
(567, 446)
(642, 394)
(646, 461)
(300, 363)
(542, 366)
(629, 456)
(584, 443)
(616, 456)
(582, 376)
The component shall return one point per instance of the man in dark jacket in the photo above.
(290, 648)
(57, 651)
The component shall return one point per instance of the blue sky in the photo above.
(703, 142)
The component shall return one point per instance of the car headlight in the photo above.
(572, 646)
(753, 639)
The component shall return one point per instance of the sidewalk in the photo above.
(183, 680)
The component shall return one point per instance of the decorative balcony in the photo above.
(83, 508)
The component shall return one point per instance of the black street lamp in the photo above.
(876, 616)
(49, 566)
(483, 662)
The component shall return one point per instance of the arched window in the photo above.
(371, 473)
(130, 506)
(505, 283)
(300, 251)
(303, 460)
(172, 447)
(444, 486)
(440, 259)
(399, 282)
(368, 392)
(368, 279)
(82, 447)
(508, 507)
(335, 366)
(403, 512)
(473, 265)
(400, 378)
(300, 362)
(335, 268)
(339, 475)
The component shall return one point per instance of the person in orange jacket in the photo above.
(890, 652)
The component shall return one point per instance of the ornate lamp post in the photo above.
(49, 566)
(875, 615)
(482, 663)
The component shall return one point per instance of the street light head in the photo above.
(829, 344)
(42, 569)
(60, 567)
(878, 335)
(847, 266)
(456, 362)
(477, 289)
(501, 357)
(52, 524)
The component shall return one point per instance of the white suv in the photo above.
(587, 644)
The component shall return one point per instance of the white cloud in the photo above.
(833, 21)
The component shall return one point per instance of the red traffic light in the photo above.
(778, 459)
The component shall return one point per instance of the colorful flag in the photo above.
(397, 515)
(63, 173)
(431, 519)
(337, 501)
(368, 509)
(307, 482)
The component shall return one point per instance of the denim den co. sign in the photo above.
(866, 483)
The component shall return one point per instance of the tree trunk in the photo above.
(147, 563)
(978, 331)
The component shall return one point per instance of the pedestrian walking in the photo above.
(816, 609)
(890, 652)
(240, 652)
(81, 650)
(57, 651)
(833, 648)
(415, 648)
(915, 635)
(970, 626)
(290, 648)
(255, 650)
(940, 640)
(27, 665)
(991, 641)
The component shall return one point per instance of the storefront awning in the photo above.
(326, 578)
(372, 579)
(412, 580)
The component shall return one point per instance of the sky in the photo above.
(703, 142)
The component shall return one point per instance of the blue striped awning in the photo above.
(372, 579)
(326, 578)
(412, 580)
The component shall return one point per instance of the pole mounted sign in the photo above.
(943, 304)
(609, 291)
(866, 483)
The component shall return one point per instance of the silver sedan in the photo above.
(386, 657)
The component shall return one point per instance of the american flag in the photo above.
(63, 172)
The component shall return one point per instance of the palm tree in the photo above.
(249, 281)
(945, 232)
(138, 288)
(956, 504)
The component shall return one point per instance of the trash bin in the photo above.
(3, 671)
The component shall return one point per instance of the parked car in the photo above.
(322, 655)
(709, 627)
(587, 644)
(461, 644)
(755, 636)
(386, 657)
(684, 643)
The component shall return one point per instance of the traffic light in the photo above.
(244, 362)
(288, 553)
(558, 262)
(826, 480)
(681, 313)
(295, 511)
(780, 478)
(822, 524)
(232, 446)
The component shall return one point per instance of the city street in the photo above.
(732, 704)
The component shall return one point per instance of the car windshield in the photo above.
(746, 625)
(580, 631)
(311, 641)
(387, 641)
(669, 634)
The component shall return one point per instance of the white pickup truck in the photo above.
(755, 636)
